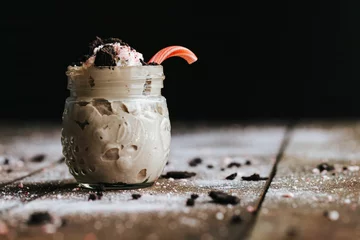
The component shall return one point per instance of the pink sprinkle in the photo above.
(288, 195)
(250, 209)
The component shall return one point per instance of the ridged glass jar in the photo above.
(116, 130)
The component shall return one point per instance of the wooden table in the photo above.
(312, 190)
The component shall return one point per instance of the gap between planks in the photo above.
(284, 143)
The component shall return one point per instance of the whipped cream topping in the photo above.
(127, 56)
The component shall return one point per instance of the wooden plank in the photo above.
(26, 149)
(161, 211)
(302, 203)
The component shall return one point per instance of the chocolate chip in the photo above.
(179, 174)
(136, 196)
(194, 162)
(222, 169)
(223, 198)
(167, 163)
(194, 196)
(39, 218)
(6, 161)
(247, 162)
(236, 219)
(190, 202)
(38, 158)
(9, 170)
(210, 166)
(325, 166)
(92, 197)
(344, 168)
(234, 164)
(254, 177)
(231, 176)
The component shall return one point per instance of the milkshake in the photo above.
(116, 129)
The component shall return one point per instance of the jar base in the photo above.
(114, 186)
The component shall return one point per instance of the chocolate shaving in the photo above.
(223, 198)
(39, 218)
(254, 177)
(6, 161)
(179, 174)
(210, 166)
(247, 162)
(231, 176)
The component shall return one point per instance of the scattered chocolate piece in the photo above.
(231, 176)
(92, 197)
(38, 158)
(222, 169)
(194, 196)
(136, 196)
(254, 177)
(61, 160)
(223, 198)
(210, 166)
(63, 222)
(194, 162)
(236, 219)
(9, 170)
(167, 163)
(190, 202)
(325, 166)
(39, 218)
(344, 168)
(6, 161)
(178, 174)
(234, 164)
(247, 162)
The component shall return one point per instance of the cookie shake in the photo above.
(116, 129)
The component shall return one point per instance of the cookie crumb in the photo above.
(254, 177)
(223, 198)
(179, 174)
(194, 162)
(39, 218)
(231, 176)
(190, 202)
(194, 196)
(38, 158)
(136, 196)
(234, 164)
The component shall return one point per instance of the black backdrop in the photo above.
(257, 60)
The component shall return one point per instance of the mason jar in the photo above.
(116, 130)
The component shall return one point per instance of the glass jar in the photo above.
(116, 127)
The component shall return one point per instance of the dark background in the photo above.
(257, 60)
